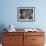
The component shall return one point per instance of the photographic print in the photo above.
(26, 14)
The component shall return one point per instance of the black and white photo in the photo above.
(26, 14)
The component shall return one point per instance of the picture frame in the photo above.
(26, 14)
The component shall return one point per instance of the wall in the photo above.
(9, 13)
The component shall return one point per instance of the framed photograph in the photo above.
(26, 14)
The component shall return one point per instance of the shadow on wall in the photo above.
(2, 26)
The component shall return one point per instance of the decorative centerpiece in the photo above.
(11, 28)
(31, 30)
